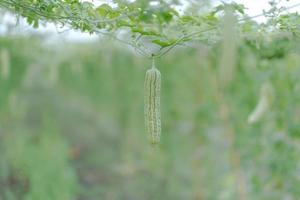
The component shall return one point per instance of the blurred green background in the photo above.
(72, 123)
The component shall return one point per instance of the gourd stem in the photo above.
(153, 62)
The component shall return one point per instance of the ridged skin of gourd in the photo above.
(152, 104)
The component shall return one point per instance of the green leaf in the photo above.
(164, 43)
(36, 23)
(149, 32)
(166, 16)
(187, 19)
(104, 10)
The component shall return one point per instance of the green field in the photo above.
(78, 119)
(73, 127)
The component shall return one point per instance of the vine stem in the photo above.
(69, 16)
(214, 27)
(153, 62)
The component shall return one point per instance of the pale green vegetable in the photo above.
(263, 105)
(152, 104)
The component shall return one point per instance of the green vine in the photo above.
(154, 22)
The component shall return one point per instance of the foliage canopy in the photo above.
(163, 24)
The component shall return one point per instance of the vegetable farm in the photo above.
(164, 100)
